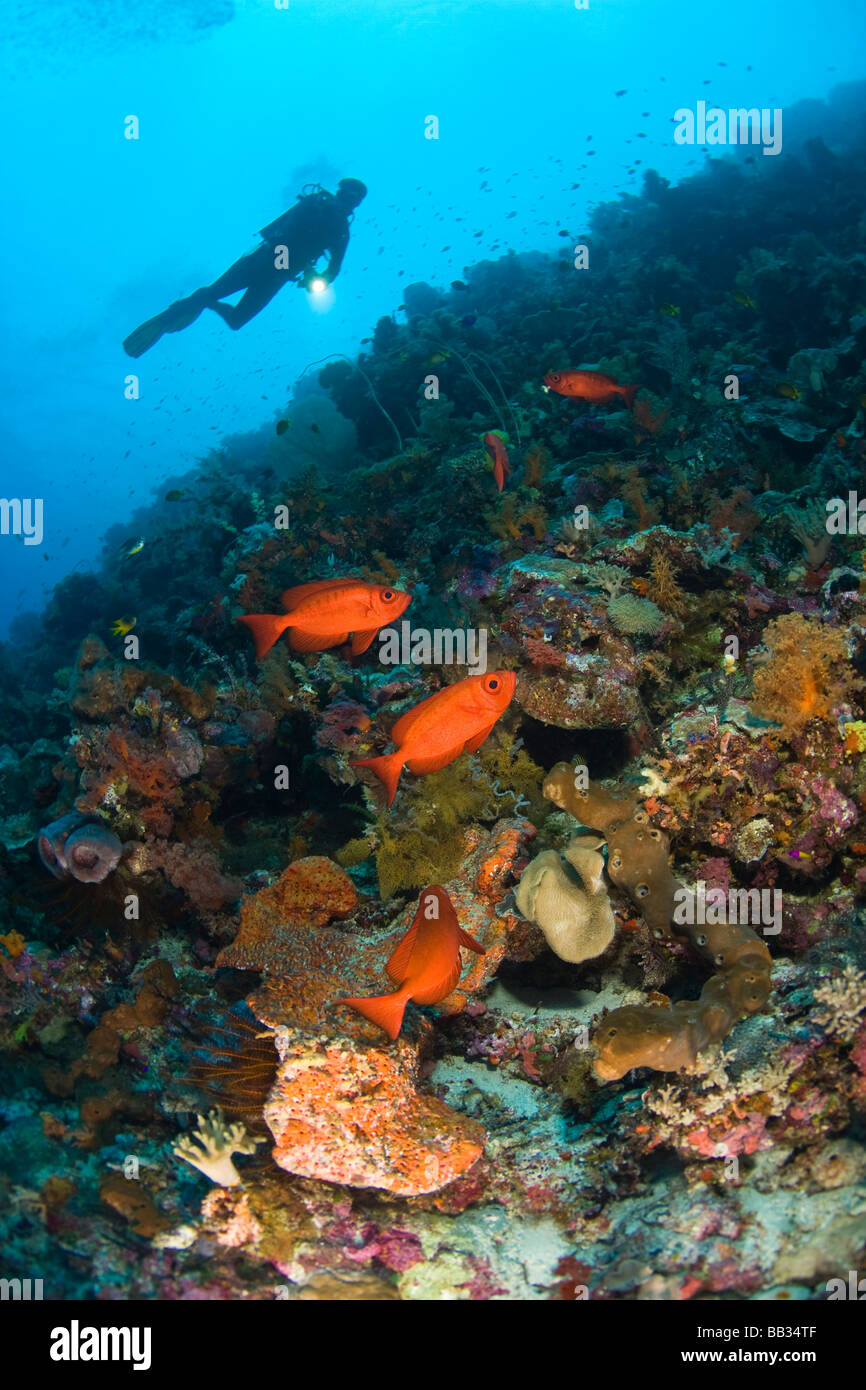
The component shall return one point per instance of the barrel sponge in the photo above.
(571, 908)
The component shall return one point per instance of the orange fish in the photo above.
(426, 965)
(589, 386)
(433, 733)
(322, 614)
(498, 455)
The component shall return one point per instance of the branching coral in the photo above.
(216, 1142)
(611, 578)
(805, 676)
(844, 1000)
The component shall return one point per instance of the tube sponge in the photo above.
(573, 911)
(637, 860)
(84, 850)
(670, 1039)
(92, 852)
(595, 807)
(665, 1039)
(637, 853)
(51, 842)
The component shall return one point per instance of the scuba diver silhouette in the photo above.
(318, 223)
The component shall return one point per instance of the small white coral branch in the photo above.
(845, 999)
(217, 1141)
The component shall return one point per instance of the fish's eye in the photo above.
(642, 890)
(493, 683)
(388, 595)
(655, 834)
(701, 940)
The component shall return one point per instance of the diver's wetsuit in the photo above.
(318, 223)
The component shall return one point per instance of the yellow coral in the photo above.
(422, 840)
(806, 674)
(855, 736)
(663, 588)
(354, 852)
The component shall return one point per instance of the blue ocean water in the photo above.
(544, 109)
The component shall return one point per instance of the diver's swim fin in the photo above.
(177, 316)
(145, 336)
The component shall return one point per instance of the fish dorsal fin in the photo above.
(397, 967)
(290, 598)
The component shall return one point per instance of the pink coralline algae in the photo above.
(340, 725)
(193, 867)
(836, 811)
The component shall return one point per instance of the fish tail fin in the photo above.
(385, 1010)
(628, 395)
(266, 628)
(387, 769)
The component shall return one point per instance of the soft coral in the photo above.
(806, 674)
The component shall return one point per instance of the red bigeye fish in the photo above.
(589, 386)
(426, 965)
(322, 614)
(433, 733)
(494, 443)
